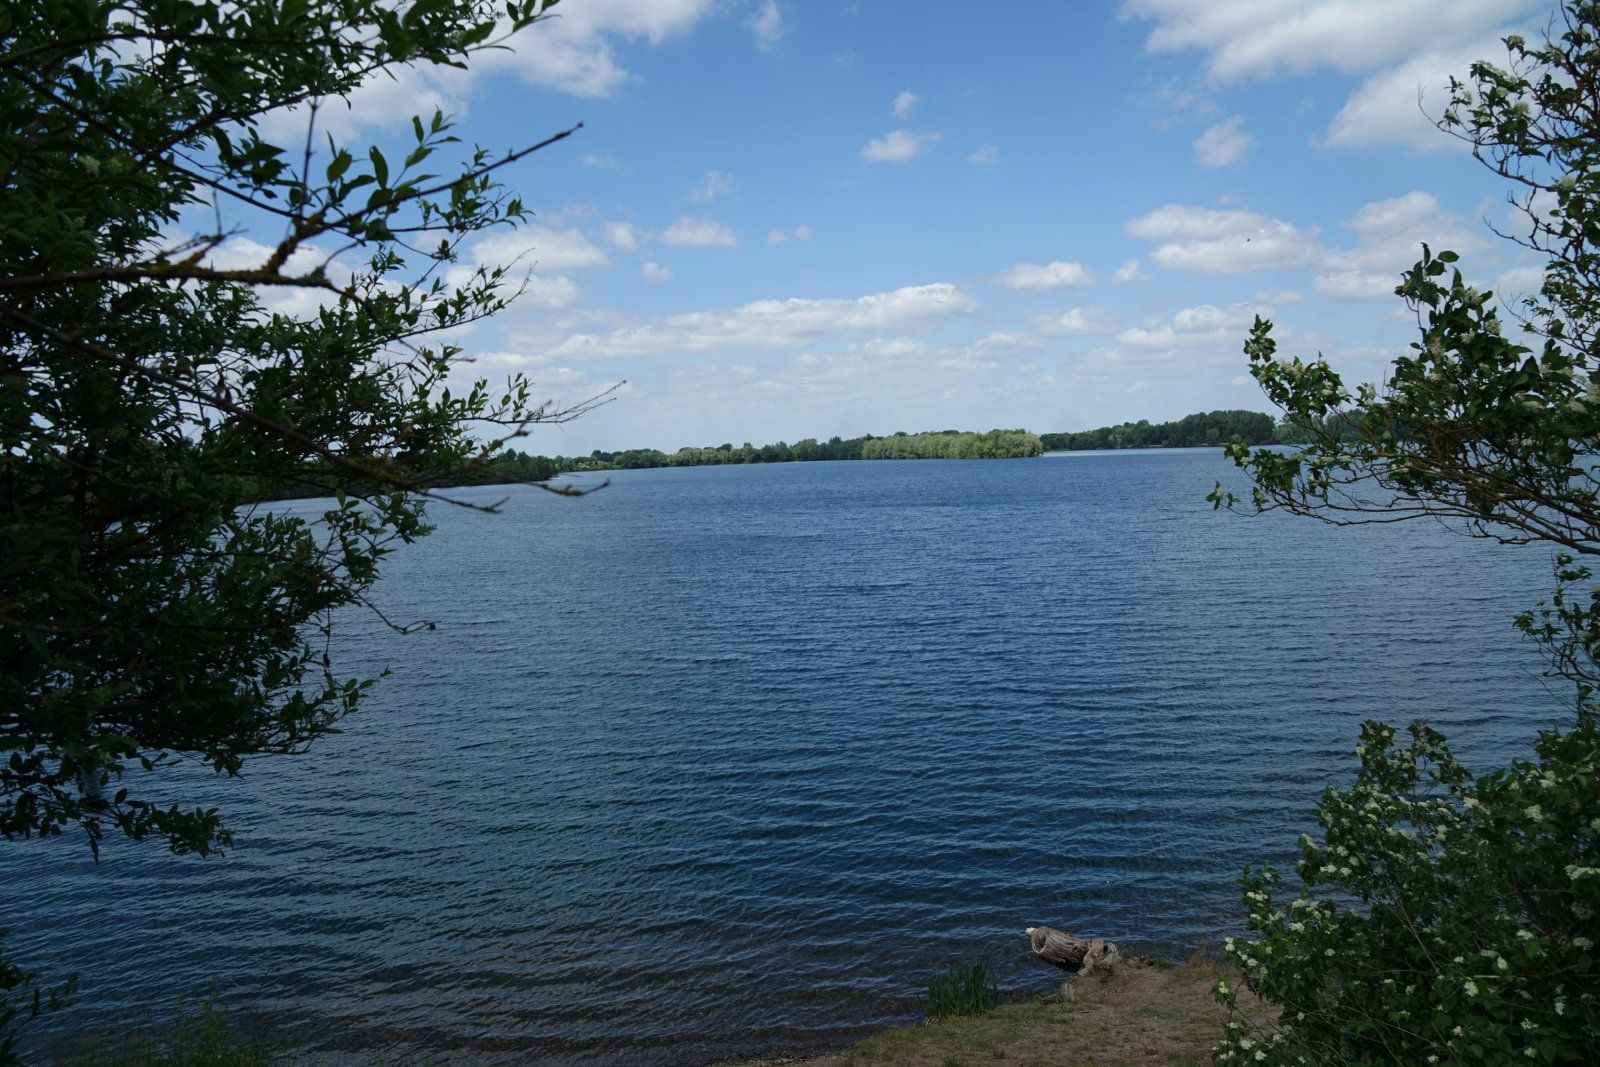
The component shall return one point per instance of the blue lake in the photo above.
(724, 761)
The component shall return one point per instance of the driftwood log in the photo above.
(1083, 956)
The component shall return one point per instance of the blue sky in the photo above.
(785, 220)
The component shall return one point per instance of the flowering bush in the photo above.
(1442, 918)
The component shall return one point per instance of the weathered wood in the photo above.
(1081, 955)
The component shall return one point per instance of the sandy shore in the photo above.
(1140, 1015)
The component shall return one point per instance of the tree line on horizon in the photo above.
(935, 444)
(1206, 428)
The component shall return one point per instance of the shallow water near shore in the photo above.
(724, 761)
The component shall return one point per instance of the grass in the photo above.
(202, 1037)
(965, 989)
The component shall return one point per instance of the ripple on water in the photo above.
(725, 760)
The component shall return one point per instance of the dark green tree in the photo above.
(1444, 917)
(150, 611)
(1192, 431)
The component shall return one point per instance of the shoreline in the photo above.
(1140, 1014)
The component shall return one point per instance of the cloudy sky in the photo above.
(785, 220)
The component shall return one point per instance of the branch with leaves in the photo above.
(152, 611)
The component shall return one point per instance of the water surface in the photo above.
(724, 761)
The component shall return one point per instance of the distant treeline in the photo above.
(940, 444)
(1206, 428)
(1200, 431)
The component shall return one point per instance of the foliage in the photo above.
(965, 989)
(203, 1037)
(155, 384)
(149, 391)
(1442, 917)
(1192, 431)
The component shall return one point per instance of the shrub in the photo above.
(1442, 918)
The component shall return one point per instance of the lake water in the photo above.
(725, 761)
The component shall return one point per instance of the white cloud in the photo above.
(1406, 44)
(1204, 327)
(1181, 104)
(767, 25)
(548, 291)
(897, 146)
(1519, 282)
(1399, 106)
(775, 325)
(575, 51)
(1130, 273)
(383, 99)
(904, 101)
(541, 255)
(544, 291)
(624, 236)
(510, 361)
(1037, 278)
(1203, 241)
(1356, 285)
(654, 273)
(717, 184)
(1389, 235)
(539, 248)
(888, 347)
(1274, 297)
(542, 375)
(602, 162)
(698, 233)
(985, 155)
(537, 367)
(1261, 38)
(1003, 342)
(1223, 144)
(799, 233)
(1073, 322)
